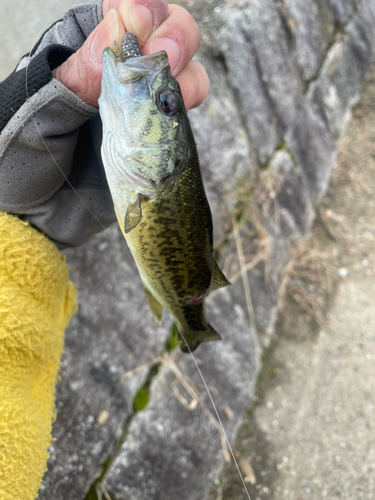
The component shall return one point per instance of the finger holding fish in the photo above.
(158, 27)
(139, 18)
(179, 36)
(82, 71)
(194, 84)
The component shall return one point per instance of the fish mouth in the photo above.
(144, 145)
(131, 79)
(131, 70)
(129, 157)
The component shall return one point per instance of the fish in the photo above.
(152, 168)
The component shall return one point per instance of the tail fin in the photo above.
(191, 339)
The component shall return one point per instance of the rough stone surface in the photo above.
(290, 215)
(366, 15)
(104, 341)
(225, 155)
(342, 10)
(322, 119)
(295, 210)
(312, 143)
(172, 452)
(267, 94)
(310, 434)
(311, 24)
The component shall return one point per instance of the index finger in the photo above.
(178, 35)
(159, 26)
(139, 18)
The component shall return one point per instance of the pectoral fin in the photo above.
(155, 306)
(133, 215)
(218, 280)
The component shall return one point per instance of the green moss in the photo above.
(92, 495)
(143, 395)
(141, 399)
(172, 342)
(139, 403)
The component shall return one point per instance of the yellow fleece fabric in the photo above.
(37, 301)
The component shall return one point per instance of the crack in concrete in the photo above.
(285, 21)
(220, 57)
(338, 33)
(98, 488)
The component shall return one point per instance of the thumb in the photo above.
(82, 72)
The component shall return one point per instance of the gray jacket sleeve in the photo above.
(51, 172)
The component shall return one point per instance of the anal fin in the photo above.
(155, 306)
(218, 280)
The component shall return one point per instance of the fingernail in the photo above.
(113, 4)
(104, 35)
(171, 47)
(141, 19)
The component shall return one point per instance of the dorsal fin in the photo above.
(218, 280)
(155, 306)
(133, 215)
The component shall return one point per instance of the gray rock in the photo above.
(113, 333)
(295, 212)
(342, 10)
(311, 25)
(224, 152)
(269, 94)
(264, 296)
(340, 81)
(360, 44)
(327, 108)
(172, 452)
(247, 83)
(244, 36)
(366, 14)
(289, 216)
(313, 144)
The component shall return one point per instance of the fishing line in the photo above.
(217, 416)
(43, 29)
(124, 248)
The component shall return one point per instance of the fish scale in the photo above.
(153, 172)
(171, 235)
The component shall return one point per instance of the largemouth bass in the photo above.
(152, 168)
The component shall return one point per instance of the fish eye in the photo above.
(168, 101)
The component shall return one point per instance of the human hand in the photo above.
(65, 151)
(158, 27)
